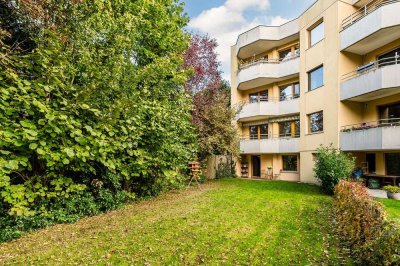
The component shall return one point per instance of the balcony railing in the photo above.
(262, 60)
(390, 122)
(269, 136)
(259, 99)
(364, 11)
(372, 66)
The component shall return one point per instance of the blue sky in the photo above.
(224, 20)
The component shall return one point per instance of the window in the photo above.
(253, 132)
(390, 113)
(389, 58)
(316, 122)
(289, 129)
(289, 92)
(289, 162)
(316, 78)
(264, 96)
(392, 164)
(264, 131)
(258, 96)
(316, 33)
(253, 98)
(259, 132)
(285, 54)
(297, 128)
(285, 129)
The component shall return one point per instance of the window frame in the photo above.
(309, 77)
(313, 27)
(259, 97)
(283, 163)
(310, 132)
(293, 94)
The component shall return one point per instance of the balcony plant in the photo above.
(393, 192)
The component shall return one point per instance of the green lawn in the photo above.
(231, 221)
(392, 207)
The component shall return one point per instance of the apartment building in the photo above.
(331, 76)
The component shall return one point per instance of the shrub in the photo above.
(363, 227)
(392, 189)
(66, 119)
(331, 165)
(225, 168)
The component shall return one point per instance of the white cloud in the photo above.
(226, 22)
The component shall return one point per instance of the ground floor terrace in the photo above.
(270, 166)
(381, 165)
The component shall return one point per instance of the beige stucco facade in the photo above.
(360, 111)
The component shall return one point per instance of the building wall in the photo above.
(336, 64)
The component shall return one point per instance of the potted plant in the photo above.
(393, 192)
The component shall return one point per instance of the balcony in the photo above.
(372, 26)
(371, 136)
(269, 145)
(376, 80)
(264, 38)
(265, 108)
(264, 72)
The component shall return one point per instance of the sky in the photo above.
(224, 20)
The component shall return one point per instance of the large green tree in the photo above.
(101, 91)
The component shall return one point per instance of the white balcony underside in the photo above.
(261, 74)
(373, 139)
(378, 83)
(264, 38)
(264, 110)
(271, 146)
(374, 30)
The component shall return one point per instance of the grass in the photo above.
(392, 207)
(231, 221)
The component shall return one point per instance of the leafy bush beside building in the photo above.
(93, 112)
(332, 165)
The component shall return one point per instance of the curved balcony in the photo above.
(372, 26)
(270, 145)
(264, 38)
(264, 72)
(373, 81)
(371, 136)
(266, 108)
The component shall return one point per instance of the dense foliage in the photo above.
(363, 226)
(331, 165)
(94, 110)
(212, 113)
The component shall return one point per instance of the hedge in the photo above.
(363, 226)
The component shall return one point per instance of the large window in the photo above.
(289, 129)
(316, 122)
(289, 92)
(392, 163)
(316, 78)
(289, 162)
(285, 129)
(261, 96)
(316, 33)
(390, 58)
(253, 132)
(259, 132)
(390, 113)
(285, 54)
(264, 131)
